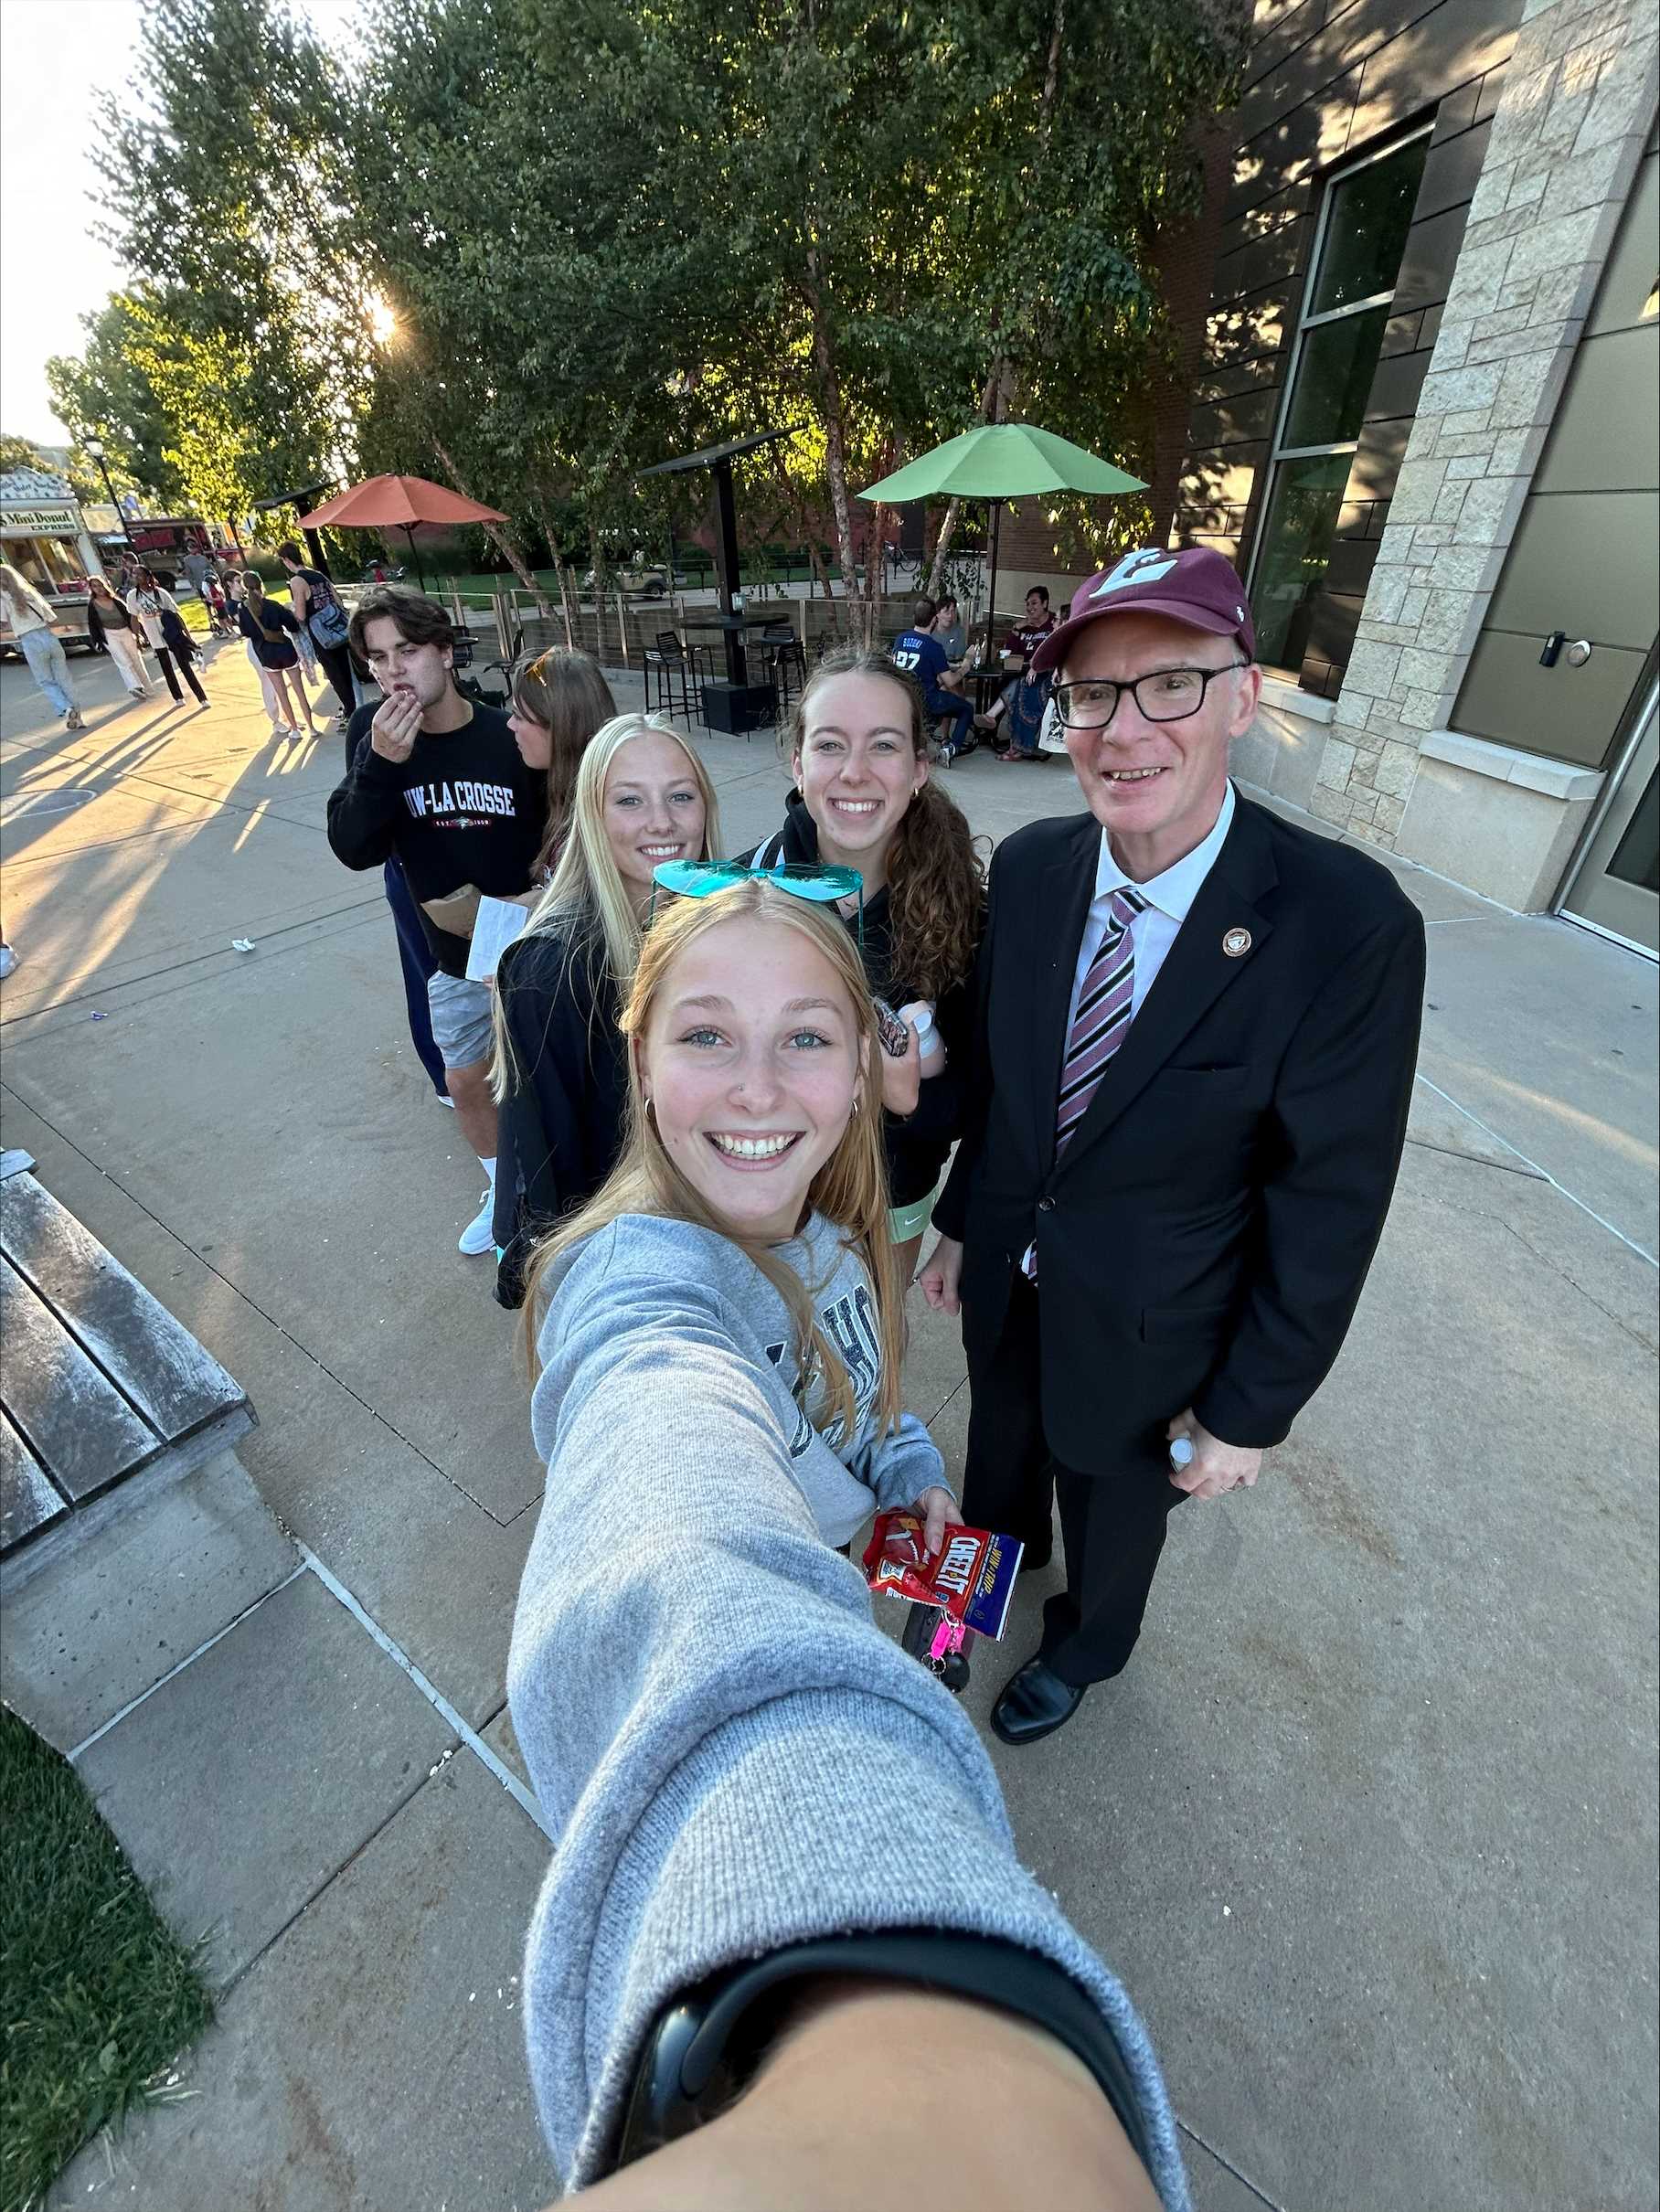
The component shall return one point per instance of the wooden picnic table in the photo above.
(102, 1392)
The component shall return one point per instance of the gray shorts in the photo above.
(460, 1018)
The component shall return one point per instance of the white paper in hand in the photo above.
(498, 923)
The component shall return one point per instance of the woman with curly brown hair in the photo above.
(864, 799)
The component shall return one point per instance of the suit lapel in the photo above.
(1196, 972)
(1068, 886)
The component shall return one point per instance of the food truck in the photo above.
(46, 537)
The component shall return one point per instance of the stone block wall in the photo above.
(1577, 102)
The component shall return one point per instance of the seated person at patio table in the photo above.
(948, 628)
(920, 654)
(1019, 645)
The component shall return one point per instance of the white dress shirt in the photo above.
(1169, 900)
(1169, 897)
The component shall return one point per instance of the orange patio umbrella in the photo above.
(397, 502)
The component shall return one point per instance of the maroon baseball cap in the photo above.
(1194, 585)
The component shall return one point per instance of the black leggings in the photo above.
(164, 655)
(337, 667)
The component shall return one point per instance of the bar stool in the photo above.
(667, 659)
(786, 664)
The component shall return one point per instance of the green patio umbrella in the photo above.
(997, 462)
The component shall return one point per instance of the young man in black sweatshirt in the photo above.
(438, 783)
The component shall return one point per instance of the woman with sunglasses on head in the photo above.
(864, 799)
(560, 700)
(642, 797)
(748, 1213)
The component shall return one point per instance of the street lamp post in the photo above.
(95, 447)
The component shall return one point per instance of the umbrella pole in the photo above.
(409, 531)
(990, 597)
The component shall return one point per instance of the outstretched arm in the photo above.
(733, 1759)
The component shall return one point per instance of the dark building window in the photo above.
(1364, 220)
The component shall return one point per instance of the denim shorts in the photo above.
(460, 1018)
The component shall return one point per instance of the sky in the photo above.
(57, 58)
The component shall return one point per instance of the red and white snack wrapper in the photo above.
(971, 1578)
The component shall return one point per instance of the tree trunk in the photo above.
(830, 412)
(556, 553)
(495, 531)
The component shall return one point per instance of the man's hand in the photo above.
(1215, 1466)
(396, 727)
(942, 1276)
(936, 1506)
(902, 1078)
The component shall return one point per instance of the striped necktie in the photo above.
(1102, 1019)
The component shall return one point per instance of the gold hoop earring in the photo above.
(858, 1101)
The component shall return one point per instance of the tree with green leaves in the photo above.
(607, 233)
(105, 394)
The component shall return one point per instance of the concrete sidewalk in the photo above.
(1368, 1826)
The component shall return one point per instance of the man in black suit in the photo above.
(1198, 1033)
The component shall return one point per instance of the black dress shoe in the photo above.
(1035, 1702)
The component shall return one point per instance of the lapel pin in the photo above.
(1236, 943)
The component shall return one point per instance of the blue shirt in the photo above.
(923, 656)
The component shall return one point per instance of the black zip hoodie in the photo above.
(917, 1143)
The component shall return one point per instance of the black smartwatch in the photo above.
(705, 2045)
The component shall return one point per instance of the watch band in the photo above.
(706, 2045)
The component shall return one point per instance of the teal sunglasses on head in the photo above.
(823, 885)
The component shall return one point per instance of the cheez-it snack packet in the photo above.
(971, 1580)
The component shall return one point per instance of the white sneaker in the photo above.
(479, 1236)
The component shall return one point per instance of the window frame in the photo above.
(1277, 453)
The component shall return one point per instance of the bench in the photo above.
(104, 1397)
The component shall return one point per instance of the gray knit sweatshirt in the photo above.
(731, 1755)
(668, 1282)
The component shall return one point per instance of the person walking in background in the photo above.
(110, 625)
(559, 699)
(316, 604)
(1197, 1038)
(269, 627)
(30, 619)
(558, 1073)
(155, 610)
(918, 654)
(437, 783)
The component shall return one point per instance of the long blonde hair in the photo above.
(850, 1189)
(21, 592)
(587, 900)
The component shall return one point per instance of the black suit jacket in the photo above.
(1204, 1238)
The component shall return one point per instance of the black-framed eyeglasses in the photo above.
(1166, 695)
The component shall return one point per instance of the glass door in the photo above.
(1616, 886)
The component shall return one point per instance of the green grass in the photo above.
(96, 1997)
